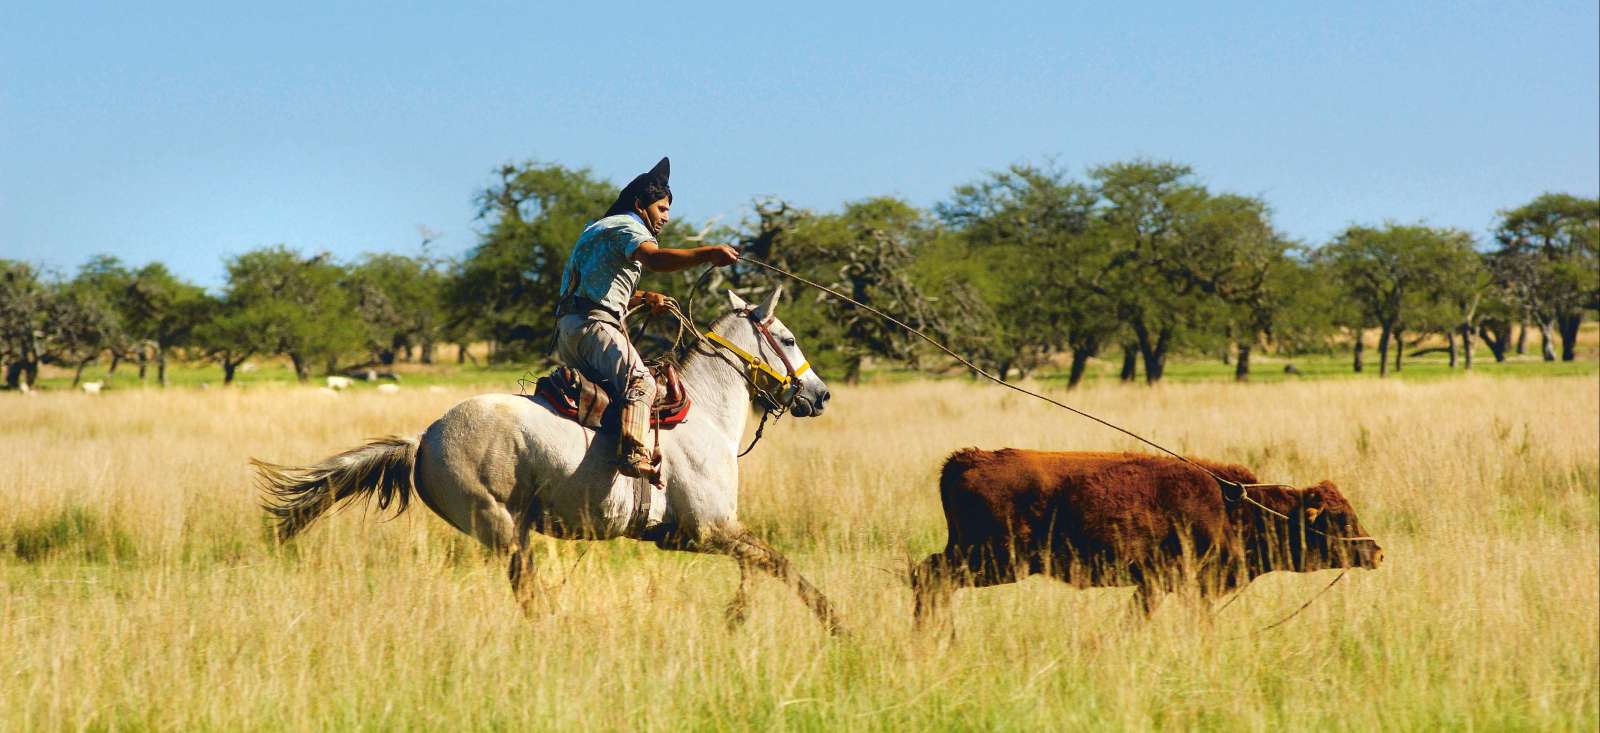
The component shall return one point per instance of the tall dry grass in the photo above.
(140, 589)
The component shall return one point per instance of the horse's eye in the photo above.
(788, 341)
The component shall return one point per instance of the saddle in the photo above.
(574, 397)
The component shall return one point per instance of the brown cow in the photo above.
(1119, 519)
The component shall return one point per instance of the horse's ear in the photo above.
(770, 305)
(738, 302)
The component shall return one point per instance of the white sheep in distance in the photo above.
(92, 387)
(335, 382)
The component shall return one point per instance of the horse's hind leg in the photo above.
(524, 573)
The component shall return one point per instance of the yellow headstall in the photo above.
(761, 373)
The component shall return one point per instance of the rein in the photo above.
(774, 391)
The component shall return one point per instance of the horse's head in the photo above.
(773, 360)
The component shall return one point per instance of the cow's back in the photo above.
(1094, 509)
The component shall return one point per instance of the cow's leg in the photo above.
(737, 542)
(1149, 590)
(933, 583)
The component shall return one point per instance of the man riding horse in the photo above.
(600, 285)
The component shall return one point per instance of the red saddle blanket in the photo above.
(574, 397)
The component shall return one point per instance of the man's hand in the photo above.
(719, 255)
(657, 302)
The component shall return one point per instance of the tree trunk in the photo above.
(1450, 337)
(1497, 340)
(1361, 347)
(116, 358)
(427, 352)
(22, 374)
(1155, 363)
(1383, 351)
(1080, 362)
(1522, 338)
(228, 368)
(1130, 362)
(143, 362)
(1546, 344)
(1154, 352)
(1241, 371)
(1399, 347)
(1568, 326)
(1466, 346)
(161, 365)
(852, 371)
(77, 374)
(302, 370)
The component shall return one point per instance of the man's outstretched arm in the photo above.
(661, 259)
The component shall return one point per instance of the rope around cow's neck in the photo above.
(986, 375)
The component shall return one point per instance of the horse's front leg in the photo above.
(739, 608)
(751, 552)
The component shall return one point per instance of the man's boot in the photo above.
(633, 455)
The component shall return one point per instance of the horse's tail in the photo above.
(297, 495)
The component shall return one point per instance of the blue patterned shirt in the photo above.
(602, 261)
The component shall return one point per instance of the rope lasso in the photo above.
(1245, 495)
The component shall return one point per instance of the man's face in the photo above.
(656, 215)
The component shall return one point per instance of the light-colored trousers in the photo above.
(600, 351)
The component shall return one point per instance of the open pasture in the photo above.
(139, 589)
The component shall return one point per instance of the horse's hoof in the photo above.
(736, 615)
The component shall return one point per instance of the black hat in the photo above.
(653, 180)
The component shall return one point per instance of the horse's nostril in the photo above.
(825, 395)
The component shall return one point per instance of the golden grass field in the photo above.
(140, 590)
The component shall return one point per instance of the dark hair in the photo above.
(652, 192)
(640, 196)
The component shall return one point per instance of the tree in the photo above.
(1228, 249)
(79, 326)
(163, 311)
(280, 302)
(1389, 272)
(1144, 205)
(1461, 287)
(105, 280)
(233, 332)
(1549, 261)
(1025, 239)
(399, 299)
(506, 289)
(52, 322)
(23, 312)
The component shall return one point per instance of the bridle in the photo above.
(775, 390)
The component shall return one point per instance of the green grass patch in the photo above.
(71, 533)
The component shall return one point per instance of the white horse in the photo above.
(497, 466)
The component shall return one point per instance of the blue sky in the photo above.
(188, 133)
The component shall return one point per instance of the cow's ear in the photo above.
(1312, 512)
